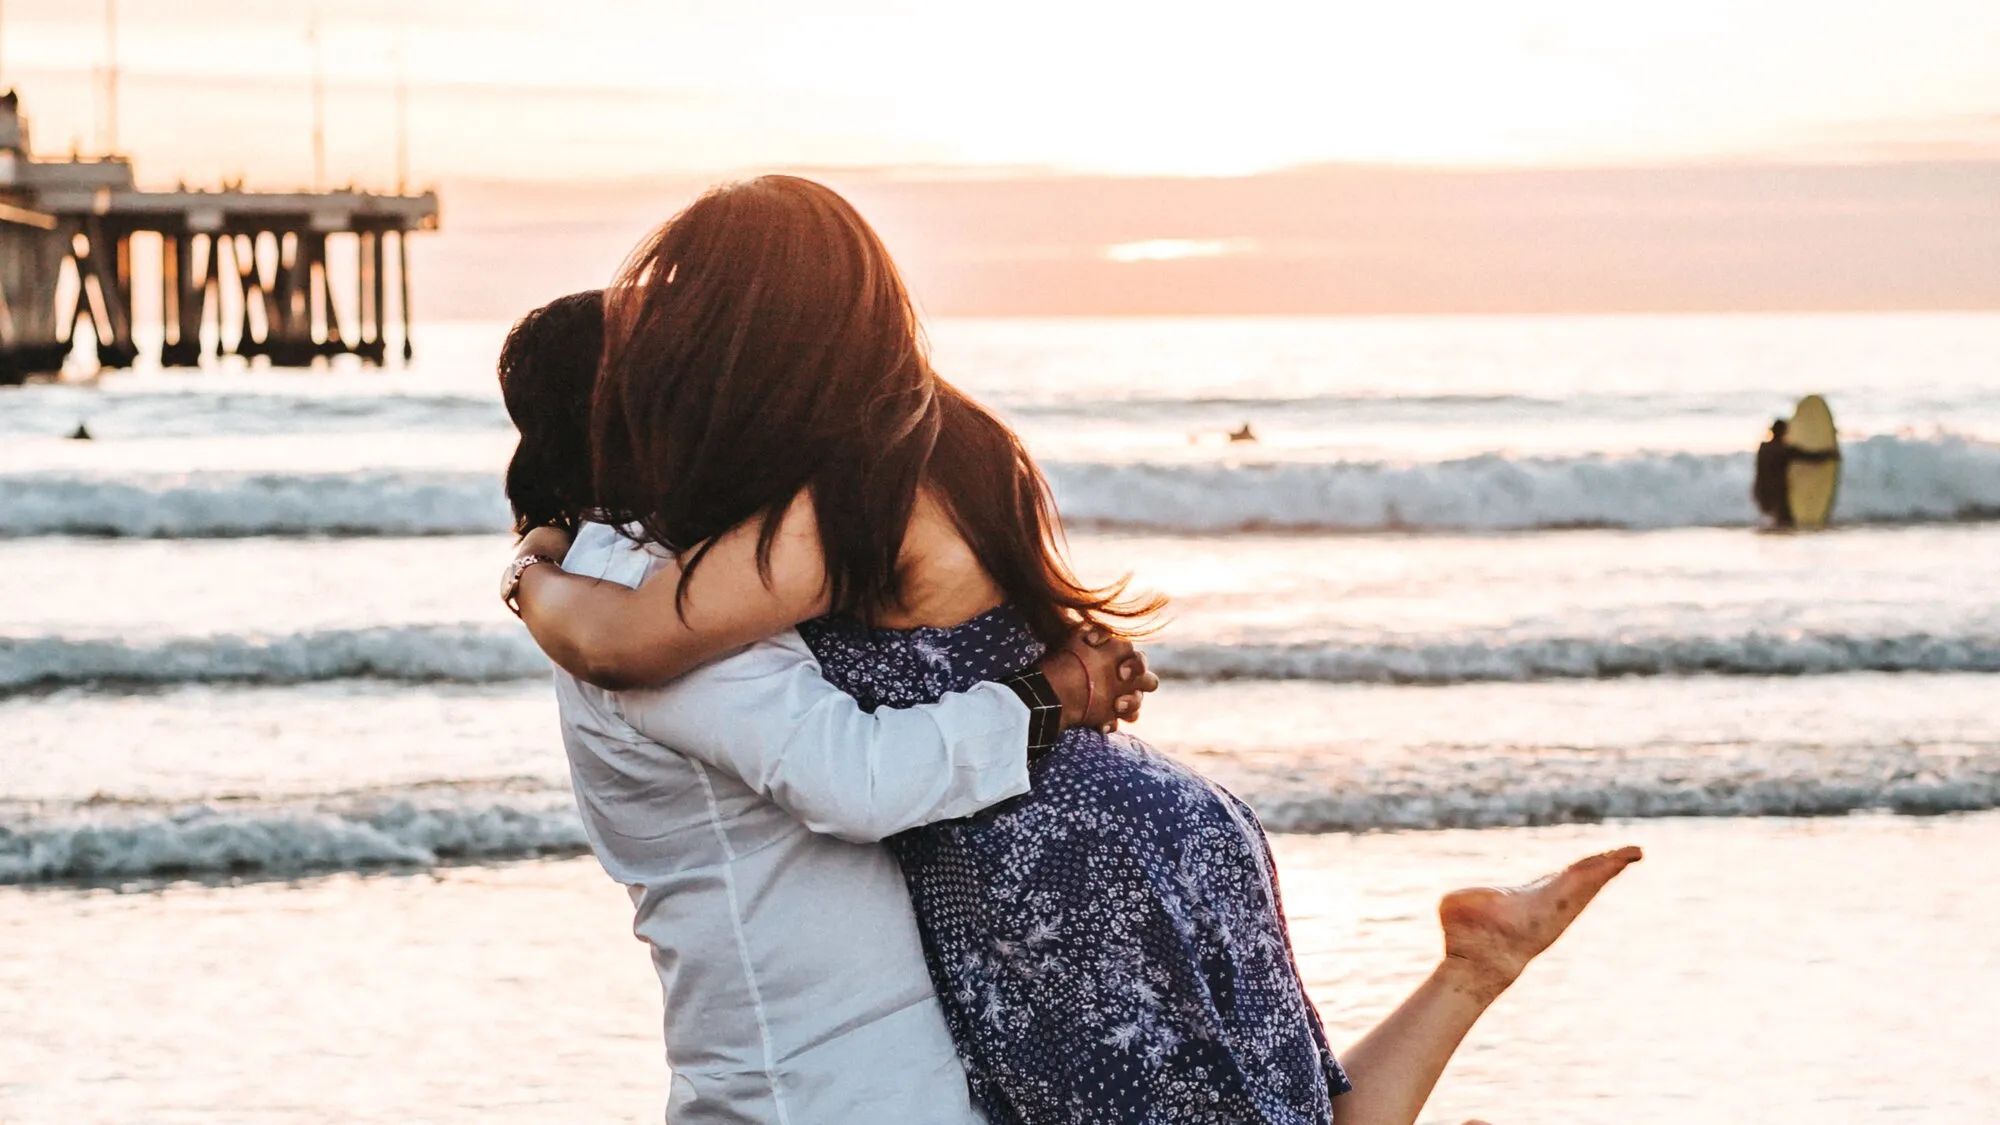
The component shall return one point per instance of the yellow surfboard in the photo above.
(1812, 484)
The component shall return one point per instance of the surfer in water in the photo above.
(1771, 489)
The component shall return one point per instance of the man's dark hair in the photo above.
(548, 371)
(1779, 426)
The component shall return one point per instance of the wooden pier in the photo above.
(66, 261)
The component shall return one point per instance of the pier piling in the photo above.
(66, 262)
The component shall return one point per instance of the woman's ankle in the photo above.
(1477, 983)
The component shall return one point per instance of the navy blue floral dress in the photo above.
(1109, 947)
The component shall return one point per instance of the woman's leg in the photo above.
(1489, 937)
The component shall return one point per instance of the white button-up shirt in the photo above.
(742, 808)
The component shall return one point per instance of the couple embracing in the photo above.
(844, 722)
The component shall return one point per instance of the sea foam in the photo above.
(1472, 660)
(410, 653)
(1886, 479)
(1537, 798)
(114, 840)
(110, 840)
(200, 411)
(492, 654)
(227, 505)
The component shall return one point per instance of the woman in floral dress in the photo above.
(1109, 947)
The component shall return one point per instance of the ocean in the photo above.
(285, 833)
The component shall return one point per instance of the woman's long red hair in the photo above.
(761, 343)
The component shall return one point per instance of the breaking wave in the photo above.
(109, 840)
(412, 653)
(1886, 480)
(1523, 792)
(490, 654)
(118, 840)
(51, 410)
(227, 505)
(1583, 658)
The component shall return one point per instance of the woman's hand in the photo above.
(1102, 680)
(550, 541)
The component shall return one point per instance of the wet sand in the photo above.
(1778, 971)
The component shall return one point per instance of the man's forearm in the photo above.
(767, 717)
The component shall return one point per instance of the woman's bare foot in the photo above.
(1490, 934)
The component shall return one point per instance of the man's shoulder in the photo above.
(601, 551)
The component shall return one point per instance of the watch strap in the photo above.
(1045, 726)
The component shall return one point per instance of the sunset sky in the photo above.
(1115, 156)
(610, 89)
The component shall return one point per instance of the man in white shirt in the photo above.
(742, 807)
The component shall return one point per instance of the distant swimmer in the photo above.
(1244, 434)
(1773, 487)
(82, 433)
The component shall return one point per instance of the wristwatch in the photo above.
(510, 583)
(1044, 710)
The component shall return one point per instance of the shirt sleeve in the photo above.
(767, 716)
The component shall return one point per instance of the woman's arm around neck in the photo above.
(619, 638)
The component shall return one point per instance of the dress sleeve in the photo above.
(766, 716)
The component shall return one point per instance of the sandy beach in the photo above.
(1785, 971)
